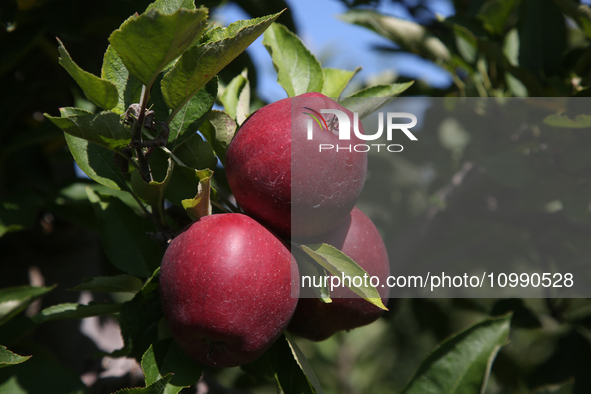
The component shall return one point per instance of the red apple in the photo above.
(359, 239)
(228, 288)
(282, 179)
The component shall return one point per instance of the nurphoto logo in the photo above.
(341, 123)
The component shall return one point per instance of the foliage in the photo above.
(131, 126)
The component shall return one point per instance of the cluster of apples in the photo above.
(229, 284)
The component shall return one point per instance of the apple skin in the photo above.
(281, 179)
(359, 239)
(228, 288)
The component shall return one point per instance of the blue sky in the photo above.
(340, 45)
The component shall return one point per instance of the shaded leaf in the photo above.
(579, 122)
(164, 357)
(75, 311)
(410, 36)
(111, 284)
(158, 387)
(195, 153)
(170, 6)
(381, 94)
(152, 192)
(341, 265)
(124, 237)
(462, 363)
(104, 129)
(100, 91)
(14, 300)
(218, 130)
(298, 71)
(200, 205)
(199, 64)
(139, 319)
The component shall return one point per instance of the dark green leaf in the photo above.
(201, 63)
(124, 236)
(188, 120)
(104, 129)
(19, 211)
(494, 14)
(139, 319)
(218, 130)
(14, 300)
(195, 153)
(128, 87)
(462, 363)
(152, 192)
(298, 71)
(97, 162)
(542, 35)
(8, 358)
(335, 81)
(164, 357)
(111, 284)
(100, 91)
(40, 375)
(285, 362)
(75, 311)
(149, 42)
(159, 387)
(338, 264)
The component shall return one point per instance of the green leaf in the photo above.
(462, 363)
(218, 130)
(543, 36)
(14, 300)
(190, 118)
(298, 71)
(97, 162)
(170, 6)
(309, 268)
(19, 211)
(139, 319)
(335, 81)
(152, 192)
(201, 63)
(75, 311)
(8, 358)
(40, 375)
(579, 122)
(200, 205)
(494, 14)
(111, 284)
(104, 129)
(195, 153)
(128, 87)
(164, 357)
(567, 387)
(159, 387)
(124, 236)
(100, 91)
(236, 97)
(289, 367)
(184, 184)
(338, 264)
(149, 42)
(410, 36)
(380, 95)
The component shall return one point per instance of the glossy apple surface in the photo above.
(226, 289)
(282, 179)
(359, 239)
